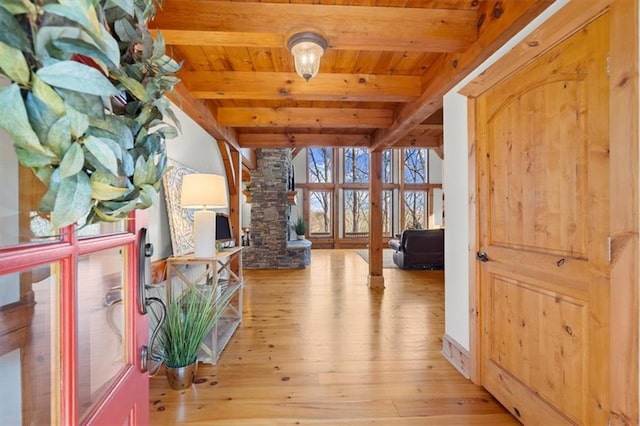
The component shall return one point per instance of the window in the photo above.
(356, 213)
(387, 169)
(415, 165)
(320, 215)
(356, 165)
(387, 210)
(415, 209)
(338, 196)
(320, 165)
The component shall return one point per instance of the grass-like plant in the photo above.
(300, 226)
(190, 318)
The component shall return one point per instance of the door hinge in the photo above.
(608, 67)
(609, 249)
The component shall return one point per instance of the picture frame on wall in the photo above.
(180, 220)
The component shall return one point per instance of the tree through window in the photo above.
(415, 165)
(356, 165)
(320, 165)
(356, 213)
(320, 213)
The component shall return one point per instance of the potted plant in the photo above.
(248, 189)
(85, 104)
(301, 228)
(189, 318)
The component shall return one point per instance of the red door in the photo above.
(71, 330)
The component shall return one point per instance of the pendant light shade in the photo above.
(307, 48)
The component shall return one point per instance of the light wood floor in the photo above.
(317, 346)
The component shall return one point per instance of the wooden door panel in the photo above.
(543, 194)
(537, 204)
(547, 331)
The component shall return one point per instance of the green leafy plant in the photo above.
(300, 226)
(86, 103)
(189, 319)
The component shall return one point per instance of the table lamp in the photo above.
(203, 191)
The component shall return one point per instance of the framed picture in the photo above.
(180, 220)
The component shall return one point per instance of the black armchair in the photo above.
(419, 249)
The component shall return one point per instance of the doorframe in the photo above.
(624, 205)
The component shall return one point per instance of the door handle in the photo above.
(145, 251)
(147, 352)
(482, 256)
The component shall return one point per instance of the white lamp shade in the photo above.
(203, 191)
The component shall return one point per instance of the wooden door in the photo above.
(543, 185)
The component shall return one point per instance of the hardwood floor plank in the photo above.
(318, 347)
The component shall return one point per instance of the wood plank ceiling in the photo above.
(381, 80)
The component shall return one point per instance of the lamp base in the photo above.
(204, 234)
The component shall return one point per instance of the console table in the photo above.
(213, 276)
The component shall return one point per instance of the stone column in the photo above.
(270, 213)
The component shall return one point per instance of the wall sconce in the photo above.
(203, 191)
(307, 48)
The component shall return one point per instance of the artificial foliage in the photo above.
(300, 226)
(85, 106)
(190, 317)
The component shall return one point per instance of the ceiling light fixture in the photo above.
(307, 48)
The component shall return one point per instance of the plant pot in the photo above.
(300, 237)
(181, 377)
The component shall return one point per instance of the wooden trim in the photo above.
(558, 27)
(235, 208)
(456, 354)
(624, 216)
(624, 182)
(229, 167)
(474, 277)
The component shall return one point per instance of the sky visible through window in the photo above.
(412, 199)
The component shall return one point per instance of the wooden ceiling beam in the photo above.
(369, 28)
(420, 141)
(324, 87)
(280, 140)
(500, 21)
(427, 127)
(229, 167)
(314, 118)
(189, 37)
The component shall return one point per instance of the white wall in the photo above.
(435, 167)
(195, 149)
(456, 191)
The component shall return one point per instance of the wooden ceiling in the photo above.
(381, 80)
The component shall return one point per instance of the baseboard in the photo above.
(456, 355)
